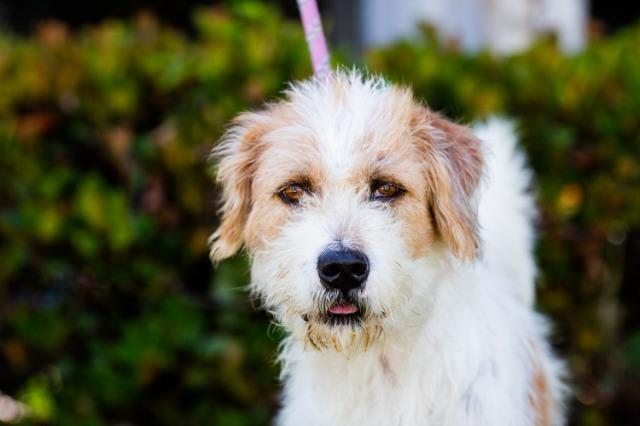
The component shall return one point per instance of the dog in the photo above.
(395, 248)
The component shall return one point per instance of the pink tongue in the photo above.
(343, 309)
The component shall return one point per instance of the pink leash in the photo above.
(312, 25)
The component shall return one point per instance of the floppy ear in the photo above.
(237, 154)
(454, 164)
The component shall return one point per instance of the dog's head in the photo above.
(349, 196)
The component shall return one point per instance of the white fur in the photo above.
(507, 210)
(461, 343)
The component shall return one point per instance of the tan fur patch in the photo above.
(418, 232)
(453, 160)
(540, 399)
(238, 150)
(295, 160)
(390, 155)
(247, 182)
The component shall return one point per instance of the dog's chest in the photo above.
(371, 390)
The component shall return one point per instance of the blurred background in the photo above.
(110, 311)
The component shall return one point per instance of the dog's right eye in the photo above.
(385, 191)
(292, 193)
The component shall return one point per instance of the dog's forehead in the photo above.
(341, 126)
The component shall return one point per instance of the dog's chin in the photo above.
(346, 327)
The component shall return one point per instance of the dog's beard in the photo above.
(342, 333)
(347, 338)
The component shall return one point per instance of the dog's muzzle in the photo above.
(343, 273)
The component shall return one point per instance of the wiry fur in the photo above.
(447, 334)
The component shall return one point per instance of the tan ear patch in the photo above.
(237, 153)
(453, 162)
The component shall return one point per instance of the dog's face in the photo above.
(349, 197)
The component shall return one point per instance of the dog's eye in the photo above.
(292, 193)
(385, 191)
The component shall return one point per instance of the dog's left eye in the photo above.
(292, 193)
(385, 191)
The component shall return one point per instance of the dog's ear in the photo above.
(237, 154)
(454, 163)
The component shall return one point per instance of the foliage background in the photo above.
(110, 312)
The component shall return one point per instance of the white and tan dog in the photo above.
(395, 247)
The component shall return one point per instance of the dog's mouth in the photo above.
(343, 309)
(335, 309)
(343, 313)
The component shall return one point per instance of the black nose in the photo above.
(343, 269)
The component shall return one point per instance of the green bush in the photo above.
(110, 310)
